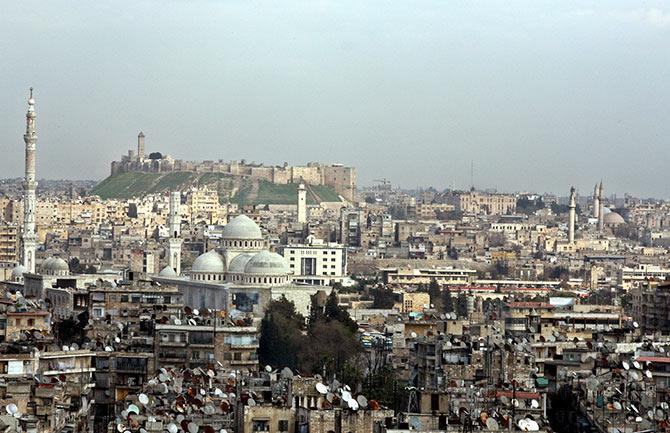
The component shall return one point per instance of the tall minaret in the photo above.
(29, 186)
(596, 202)
(601, 207)
(140, 146)
(571, 216)
(302, 203)
(175, 241)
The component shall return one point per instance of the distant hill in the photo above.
(234, 188)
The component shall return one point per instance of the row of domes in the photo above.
(261, 263)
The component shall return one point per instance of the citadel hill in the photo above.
(336, 176)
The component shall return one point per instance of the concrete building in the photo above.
(316, 262)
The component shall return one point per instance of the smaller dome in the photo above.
(210, 262)
(242, 227)
(237, 265)
(55, 264)
(167, 272)
(18, 271)
(267, 263)
(613, 218)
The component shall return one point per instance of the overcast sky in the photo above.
(540, 95)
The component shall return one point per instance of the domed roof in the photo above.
(267, 263)
(238, 263)
(167, 272)
(210, 262)
(18, 271)
(613, 218)
(242, 227)
(55, 264)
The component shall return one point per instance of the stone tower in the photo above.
(601, 207)
(174, 224)
(571, 216)
(140, 146)
(596, 203)
(29, 186)
(302, 204)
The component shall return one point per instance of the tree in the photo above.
(382, 297)
(281, 335)
(155, 155)
(462, 305)
(447, 301)
(435, 295)
(333, 312)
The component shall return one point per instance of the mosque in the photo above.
(244, 275)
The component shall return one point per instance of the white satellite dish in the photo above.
(649, 374)
(534, 404)
(133, 409)
(492, 424)
(353, 404)
(617, 405)
(346, 395)
(321, 388)
(625, 365)
(11, 408)
(637, 365)
(196, 312)
(268, 368)
(143, 398)
(362, 401)
(193, 427)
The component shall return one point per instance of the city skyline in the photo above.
(554, 92)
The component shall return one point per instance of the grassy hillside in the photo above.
(243, 191)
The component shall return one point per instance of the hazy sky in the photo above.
(541, 95)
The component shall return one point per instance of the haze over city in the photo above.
(539, 95)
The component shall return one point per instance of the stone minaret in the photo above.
(601, 207)
(140, 146)
(175, 241)
(302, 203)
(29, 186)
(571, 216)
(596, 202)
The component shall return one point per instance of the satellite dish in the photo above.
(617, 405)
(193, 427)
(362, 401)
(196, 312)
(636, 325)
(534, 404)
(413, 334)
(492, 424)
(532, 425)
(330, 397)
(250, 402)
(143, 398)
(637, 365)
(321, 388)
(649, 374)
(353, 404)
(11, 408)
(109, 349)
(177, 322)
(625, 365)
(346, 395)
(133, 409)
(268, 368)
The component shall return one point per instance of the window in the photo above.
(124, 298)
(17, 322)
(282, 425)
(31, 322)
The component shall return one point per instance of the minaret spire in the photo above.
(571, 215)
(29, 187)
(175, 241)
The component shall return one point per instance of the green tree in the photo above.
(281, 335)
(462, 305)
(382, 297)
(447, 301)
(435, 295)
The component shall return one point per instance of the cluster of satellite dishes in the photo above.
(195, 317)
(184, 398)
(340, 395)
(494, 421)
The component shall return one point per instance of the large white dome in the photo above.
(237, 265)
(242, 227)
(55, 265)
(210, 262)
(267, 263)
